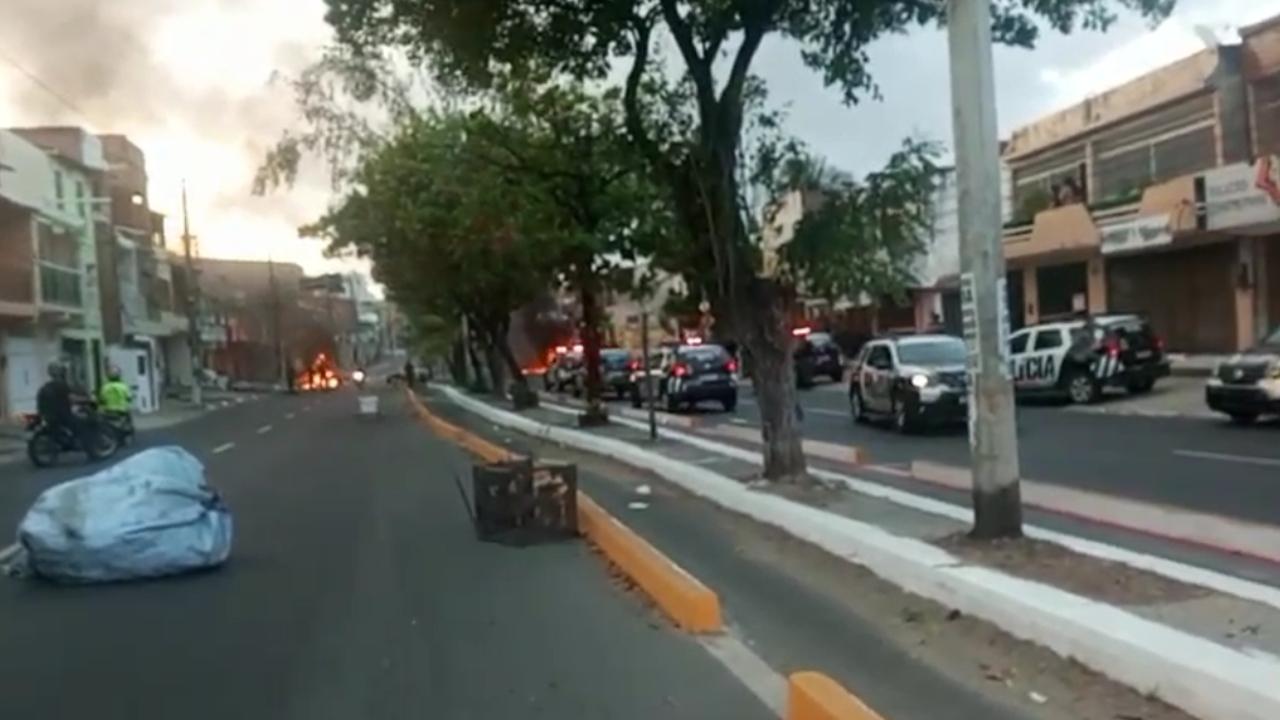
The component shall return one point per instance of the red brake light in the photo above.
(680, 370)
(731, 366)
(1159, 343)
(1111, 346)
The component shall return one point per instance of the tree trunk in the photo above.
(521, 395)
(763, 327)
(493, 359)
(477, 367)
(596, 413)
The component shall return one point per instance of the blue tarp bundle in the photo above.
(149, 515)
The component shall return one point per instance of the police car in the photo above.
(910, 380)
(1082, 356)
(1248, 384)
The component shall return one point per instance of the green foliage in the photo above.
(863, 237)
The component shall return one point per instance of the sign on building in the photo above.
(1137, 234)
(1237, 195)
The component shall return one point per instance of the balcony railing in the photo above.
(60, 286)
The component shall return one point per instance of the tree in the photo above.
(472, 41)
(572, 148)
(423, 209)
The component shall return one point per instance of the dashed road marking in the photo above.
(1225, 457)
(223, 448)
(288, 416)
(825, 411)
(739, 421)
(751, 670)
(264, 429)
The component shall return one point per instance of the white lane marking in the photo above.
(825, 411)
(223, 448)
(288, 416)
(763, 681)
(739, 421)
(1225, 457)
(264, 429)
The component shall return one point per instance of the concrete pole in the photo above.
(993, 436)
(193, 305)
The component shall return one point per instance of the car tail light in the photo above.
(1111, 346)
(680, 370)
(731, 366)
(1159, 342)
(634, 365)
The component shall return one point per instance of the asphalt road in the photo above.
(356, 589)
(1204, 464)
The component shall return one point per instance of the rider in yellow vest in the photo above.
(114, 395)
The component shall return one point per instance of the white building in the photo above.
(49, 293)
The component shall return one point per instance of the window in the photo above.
(1048, 339)
(58, 192)
(950, 351)
(1018, 343)
(879, 358)
(82, 207)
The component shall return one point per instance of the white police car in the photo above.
(1080, 357)
(910, 380)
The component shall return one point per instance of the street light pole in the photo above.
(993, 436)
(193, 304)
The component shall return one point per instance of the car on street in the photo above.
(1081, 357)
(692, 374)
(817, 355)
(1247, 385)
(654, 368)
(910, 380)
(615, 372)
(562, 371)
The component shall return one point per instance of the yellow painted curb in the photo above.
(814, 696)
(476, 445)
(690, 604)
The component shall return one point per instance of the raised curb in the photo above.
(689, 603)
(1202, 677)
(692, 605)
(814, 696)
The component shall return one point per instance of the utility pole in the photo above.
(993, 439)
(193, 305)
(644, 368)
(281, 373)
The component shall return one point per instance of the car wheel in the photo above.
(635, 400)
(902, 421)
(673, 405)
(730, 403)
(1082, 388)
(855, 405)
(1243, 418)
(1143, 386)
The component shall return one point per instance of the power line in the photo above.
(45, 86)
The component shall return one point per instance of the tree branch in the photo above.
(631, 95)
(699, 67)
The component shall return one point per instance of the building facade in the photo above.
(1157, 197)
(49, 287)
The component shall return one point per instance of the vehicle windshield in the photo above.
(614, 358)
(948, 351)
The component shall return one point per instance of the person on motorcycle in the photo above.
(54, 403)
(115, 397)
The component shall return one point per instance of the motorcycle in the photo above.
(120, 423)
(45, 443)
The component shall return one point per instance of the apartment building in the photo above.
(49, 289)
(1159, 197)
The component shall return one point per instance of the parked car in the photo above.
(911, 380)
(697, 373)
(1079, 358)
(817, 355)
(615, 372)
(1247, 385)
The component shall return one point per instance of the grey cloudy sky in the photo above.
(189, 81)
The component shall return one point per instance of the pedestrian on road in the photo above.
(409, 377)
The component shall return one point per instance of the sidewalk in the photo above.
(1181, 632)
